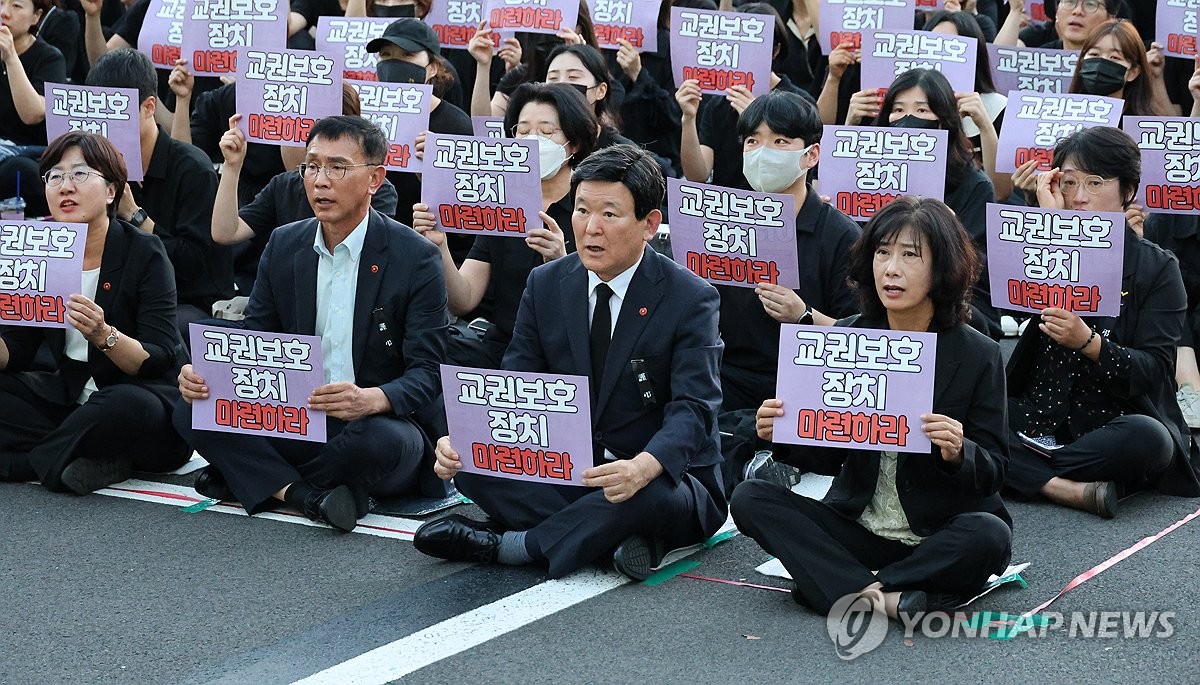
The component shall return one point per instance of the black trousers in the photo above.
(830, 555)
(574, 526)
(1131, 450)
(377, 455)
(38, 439)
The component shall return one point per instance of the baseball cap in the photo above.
(409, 34)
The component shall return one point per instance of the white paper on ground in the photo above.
(677, 554)
(196, 463)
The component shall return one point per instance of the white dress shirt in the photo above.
(337, 286)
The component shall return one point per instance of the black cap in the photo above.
(409, 34)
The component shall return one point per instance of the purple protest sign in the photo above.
(1170, 163)
(348, 37)
(525, 426)
(856, 388)
(40, 267)
(1175, 27)
(110, 112)
(733, 237)
(161, 36)
(401, 111)
(481, 185)
(456, 21)
(1035, 70)
(488, 127)
(845, 21)
(532, 16)
(213, 30)
(887, 54)
(721, 49)
(633, 20)
(1035, 122)
(258, 382)
(1039, 258)
(282, 93)
(864, 168)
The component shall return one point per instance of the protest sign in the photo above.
(41, 263)
(1175, 27)
(721, 49)
(161, 36)
(525, 426)
(887, 54)
(282, 93)
(348, 37)
(401, 111)
(456, 21)
(532, 16)
(1036, 9)
(258, 382)
(111, 112)
(845, 21)
(482, 186)
(1035, 70)
(213, 30)
(855, 387)
(864, 168)
(733, 237)
(488, 127)
(1035, 122)
(633, 20)
(1039, 258)
(1170, 163)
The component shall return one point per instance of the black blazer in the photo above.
(136, 290)
(968, 386)
(1153, 303)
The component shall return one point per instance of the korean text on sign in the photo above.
(1040, 258)
(633, 20)
(258, 382)
(41, 265)
(887, 54)
(348, 37)
(282, 93)
(482, 186)
(1170, 162)
(488, 127)
(456, 21)
(525, 426)
(865, 168)
(855, 387)
(1037, 70)
(213, 30)
(721, 49)
(401, 111)
(532, 16)
(1035, 122)
(110, 112)
(1175, 27)
(846, 21)
(733, 237)
(161, 36)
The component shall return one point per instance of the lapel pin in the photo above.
(107, 285)
(643, 311)
(374, 268)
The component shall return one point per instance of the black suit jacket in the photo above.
(136, 290)
(968, 386)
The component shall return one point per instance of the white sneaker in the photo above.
(1189, 403)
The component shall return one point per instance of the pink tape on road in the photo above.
(732, 582)
(1110, 562)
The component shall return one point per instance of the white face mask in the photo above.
(770, 170)
(551, 155)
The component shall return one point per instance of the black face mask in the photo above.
(399, 71)
(914, 121)
(394, 11)
(583, 90)
(1101, 76)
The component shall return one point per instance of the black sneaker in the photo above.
(637, 557)
(774, 472)
(86, 475)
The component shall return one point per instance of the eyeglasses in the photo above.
(333, 172)
(1092, 184)
(54, 179)
(1089, 6)
(547, 130)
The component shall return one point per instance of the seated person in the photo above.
(105, 406)
(175, 199)
(781, 135)
(1072, 21)
(655, 482)
(383, 334)
(912, 531)
(1102, 387)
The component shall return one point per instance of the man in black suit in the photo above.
(645, 332)
(383, 335)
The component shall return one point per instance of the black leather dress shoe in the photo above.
(637, 557)
(211, 484)
(85, 475)
(912, 603)
(457, 538)
(335, 507)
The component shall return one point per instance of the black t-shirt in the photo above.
(312, 10)
(649, 112)
(43, 63)
(717, 128)
(210, 121)
(129, 28)
(62, 29)
(511, 261)
(283, 201)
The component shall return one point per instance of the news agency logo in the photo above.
(857, 624)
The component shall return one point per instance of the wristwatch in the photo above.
(111, 341)
(138, 218)
(806, 317)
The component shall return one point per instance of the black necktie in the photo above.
(601, 333)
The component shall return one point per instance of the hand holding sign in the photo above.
(688, 97)
(88, 318)
(946, 433)
(844, 55)
(191, 384)
(629, 59)
(547, 241)
(1135, 218)
(181, 80)
(780, 303)
(1065, 328)
(764, 418)
(425, 223)
(92, 8)
(446, 462)
(482, 47)
(864, 106)
(233, 144)
(347, 401)
(739, 98)
(1025, 177)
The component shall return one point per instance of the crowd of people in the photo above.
(324, 240)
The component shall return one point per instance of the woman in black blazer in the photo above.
(81, 407)
(930, 526)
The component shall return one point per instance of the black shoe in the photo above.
(335, 507)
(85, 475)
(457, 538)
(773, 472)
(211, 484)
(636, 557)
(913, 604)
(1102, 499)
